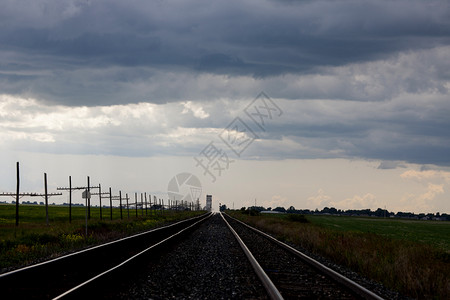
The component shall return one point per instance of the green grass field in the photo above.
(434, 233)
(57, 213)
(32, 219)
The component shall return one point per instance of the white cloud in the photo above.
(424, 202)
(432, 191)
(9, 136)
(357, 202)
(275, 201)
(320, 200)
(426, 175)
(196, 109)
(141, 128)
(428, 196)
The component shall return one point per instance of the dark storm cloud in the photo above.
(369, 79)
(413, 129)
(387, 165)
(257, 39)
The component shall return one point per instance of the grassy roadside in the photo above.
(394, 257)
(34, 241)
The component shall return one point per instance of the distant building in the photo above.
(208, 202)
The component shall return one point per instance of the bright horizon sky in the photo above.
(129, 93)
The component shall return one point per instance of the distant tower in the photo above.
(208, 202)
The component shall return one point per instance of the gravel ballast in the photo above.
(208, 264)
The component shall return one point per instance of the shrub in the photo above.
(35, 238)
(297, 218)
(71, 238)
(250, 212)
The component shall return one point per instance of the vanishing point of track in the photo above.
(104, 271)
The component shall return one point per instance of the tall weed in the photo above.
(412, 268)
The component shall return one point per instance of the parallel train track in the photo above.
(98, 271)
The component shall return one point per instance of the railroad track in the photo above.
(170, 262)
(288, 273)
(86, 272)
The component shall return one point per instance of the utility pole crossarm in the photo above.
(48, 195)
(29, 194)
(76, 188)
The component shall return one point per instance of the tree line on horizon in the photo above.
(381, 213)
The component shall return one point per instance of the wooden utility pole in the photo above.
(100, 193)
(46, 198)
(110, 201)
(70, 199)
(135, 203)
(86, 209)
(142, 205)
(111, 198)
(88, 200)
(100, 199)
(128, 207)
(120, 198)
(145, 203)
(70, 189)
(17, 195)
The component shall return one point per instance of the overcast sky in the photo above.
(357, 114)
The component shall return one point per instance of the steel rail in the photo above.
(130, 259)
(95, 247)
(355, 287)
(268, 284)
